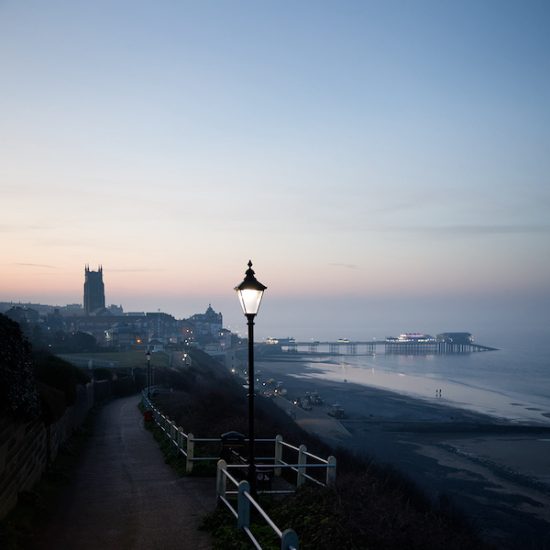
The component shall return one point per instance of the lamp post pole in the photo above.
(148, 354)
(250, 293)
(251, 435)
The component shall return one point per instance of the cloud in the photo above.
(347, 266)
(35, 265)
(136, 270)
(5, 228)
(468, 229)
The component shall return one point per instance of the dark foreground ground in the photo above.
(124, 497)
(496, 472)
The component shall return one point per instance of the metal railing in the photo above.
(185, 444)
(288, 537)
(279, 462)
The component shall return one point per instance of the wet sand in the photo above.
(496, 470)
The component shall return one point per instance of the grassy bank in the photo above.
(121, 359)
(370, 507)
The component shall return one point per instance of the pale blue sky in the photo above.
(358, 150)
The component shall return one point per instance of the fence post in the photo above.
(243, 505)
(289, 540)
(331, 471)
(220, 478)
(302, 460)
(190, 453)
(278, 454)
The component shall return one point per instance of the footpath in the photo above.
(124, 496)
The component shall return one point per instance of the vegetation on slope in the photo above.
(33, 383)
(18, 390)
(371, 506)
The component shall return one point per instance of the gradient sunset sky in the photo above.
(385, 164)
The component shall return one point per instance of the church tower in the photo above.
(94, 290)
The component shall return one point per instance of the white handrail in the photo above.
(289, 538)
(187, 448)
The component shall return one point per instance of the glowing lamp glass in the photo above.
(250, 292)
(250, 300)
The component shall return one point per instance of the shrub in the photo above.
(59, 374)
(53, 403)
(18, 391)
(101, 373)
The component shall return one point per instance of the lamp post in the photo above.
(148, 355)
(250, 293)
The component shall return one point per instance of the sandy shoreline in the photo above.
(495, 469)
(460, 394)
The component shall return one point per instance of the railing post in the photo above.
(289, 540)
(190, 453)
(243, 505)
(302, 459)
(331, 471)
(220, 478)
(183, 441)
(278, 454)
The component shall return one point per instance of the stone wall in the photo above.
(27, 447)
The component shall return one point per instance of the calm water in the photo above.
(513, 382)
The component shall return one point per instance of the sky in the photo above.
(384, 164)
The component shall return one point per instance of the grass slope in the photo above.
(370, 507)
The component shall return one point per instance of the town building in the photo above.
(207, 325)
(94, 291)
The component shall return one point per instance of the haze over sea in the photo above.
(512, 382)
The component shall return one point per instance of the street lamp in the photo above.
(148, 355)
(250, 293)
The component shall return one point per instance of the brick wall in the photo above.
(26, 447)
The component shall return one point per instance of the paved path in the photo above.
(125, 497)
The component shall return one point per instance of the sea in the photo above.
(512, 382)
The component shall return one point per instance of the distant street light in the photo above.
(148, 355)
(250, 293)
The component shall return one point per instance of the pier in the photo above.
(333, 347)
(443, 344)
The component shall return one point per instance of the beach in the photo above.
(496, 469)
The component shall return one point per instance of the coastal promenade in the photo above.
(124, 496)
